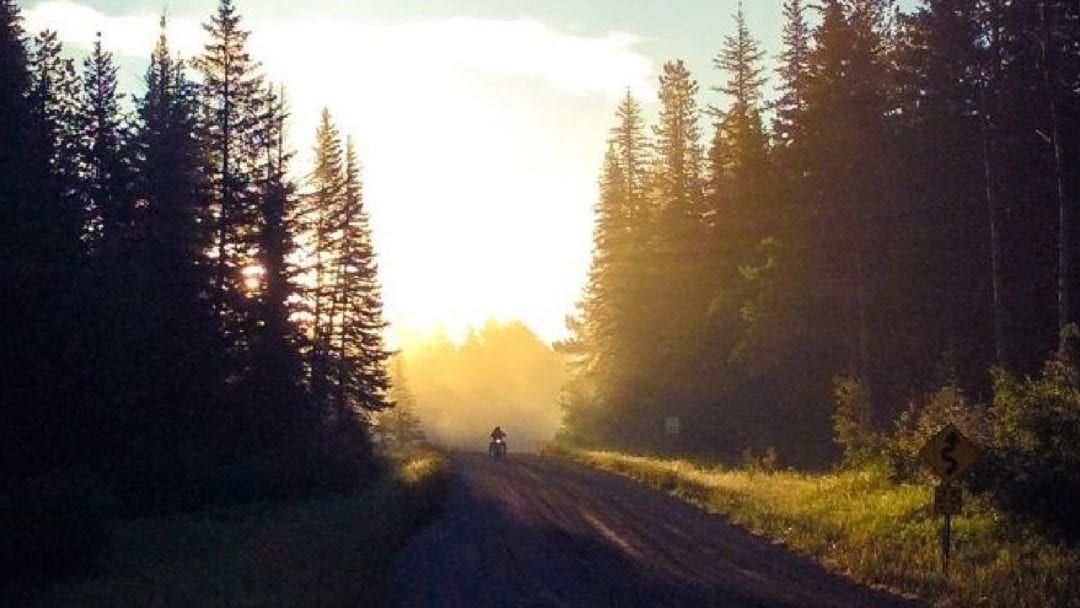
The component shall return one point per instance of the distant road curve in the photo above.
(535, 531)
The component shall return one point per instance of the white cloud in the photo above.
(132, 35)
(583, 65)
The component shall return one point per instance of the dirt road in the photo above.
(533, 531)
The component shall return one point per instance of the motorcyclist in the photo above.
(498, 442)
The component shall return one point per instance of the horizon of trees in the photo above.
(900, 215)
(499, 373)
(183, 323)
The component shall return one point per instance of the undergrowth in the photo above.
(327, 551)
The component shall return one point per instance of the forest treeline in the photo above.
(183, 324)
(500, 373)
(900, 217)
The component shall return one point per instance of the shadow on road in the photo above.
(533, 532)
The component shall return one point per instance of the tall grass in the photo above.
(320, 552)
(863, 525)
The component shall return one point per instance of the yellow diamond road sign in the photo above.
(948, 453)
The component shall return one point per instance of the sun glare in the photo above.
(253, 277)
(480, 143)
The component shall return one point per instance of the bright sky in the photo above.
(481, 124)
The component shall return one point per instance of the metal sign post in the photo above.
(948, 454)
(948, 501)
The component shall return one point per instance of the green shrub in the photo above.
(1034, 463)
(852, 421)
(923, 419)
(766, 463)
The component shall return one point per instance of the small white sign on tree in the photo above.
(672, 425)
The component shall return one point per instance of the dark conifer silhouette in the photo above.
(360, 352)
(104, 171)
(232, 119)
(320, 220)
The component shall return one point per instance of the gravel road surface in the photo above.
(535, 531)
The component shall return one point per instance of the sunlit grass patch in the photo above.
(877, 532)
(327, 551)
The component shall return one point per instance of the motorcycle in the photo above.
(497, 448)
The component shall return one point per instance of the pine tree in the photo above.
(742, 220)
(15, 204)
(738, 152)
(360, 353)
(632, 148)
(14, 135)
(794, 65)
(105, 176)
(740, 58)
(680, 286)
(279, 407)
(168, 162)
(320, 221)
(48, 421)
(232, 120)
(598, 365)
(939, 133)
(678, 153)
(845, 151)
(611, 332)
(399, 427)
(13, 73)
(174, 382)
(54, 144)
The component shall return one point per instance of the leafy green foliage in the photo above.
(852, 421)
(923, 419)
(1035, 439)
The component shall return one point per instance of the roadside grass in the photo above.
(327, 551)
(863, 525)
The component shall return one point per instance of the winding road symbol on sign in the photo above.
(948, 453)
(951, 441)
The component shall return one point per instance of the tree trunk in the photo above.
(1059, 178)
(995, 248)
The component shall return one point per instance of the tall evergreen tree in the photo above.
(360, 352)
(15, 204)
(233, 117)
(611, 334)
(738, 152)
(175, 379)
(54, 143)
(320, 221)
(678, 153)
(938, 136)
(281, 419)
(48, 422)
(794, 65)
(741, 219)
(844, 120)
(595, 395)
(13, 73)
(679, 236)
(105, 176)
